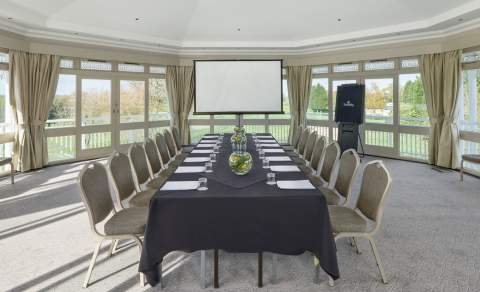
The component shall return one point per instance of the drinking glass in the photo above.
(266, 163)
(208, 167)
(213, 157)
(216, 149)
(262, 154)
(202, 184)
(271, 178)
(258, 147)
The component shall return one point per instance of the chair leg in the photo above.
(377, 259)
(11, 173)
(274, 268)
(203, 272)
(92, 263)
(142, 276)
(215, 268)
(113, 247)
(355, 245)
(461, 171)
(331, 281)
(260, 270)
(316, 270)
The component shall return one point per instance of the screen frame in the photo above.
(195, 112)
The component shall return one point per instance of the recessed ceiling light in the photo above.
(10, 18)
(137, 18)
(339, 19)
(238, 29)
(460, 19)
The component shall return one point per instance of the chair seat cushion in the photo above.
(157, 182)
(330, 195)
(316, 180)
(142, 199)
(187, 149)
(471, 158)
(299, 161)
(306, 169)
(288, 148)
(344, 219)
(127, 221)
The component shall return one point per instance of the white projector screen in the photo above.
(236, 87)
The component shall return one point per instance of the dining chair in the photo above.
(124, 185)
(305, 160)
(167, 160)
(312, 167)
(327, 165)
(293, 141)
(178, 141)
(340, 192)
(141, 169)
(172, 148)
(153, 156)
(107, 223)
(302, 142)
(363, 221)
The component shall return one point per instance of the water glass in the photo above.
(208, 167)
(213, 157)
(202, 184)
(216, 149)
(271, 178)
(261, 153)
(258, 147)
(266, 163)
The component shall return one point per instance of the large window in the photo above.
(286, 103)
(470, 105)
(379, 101)
(413, 107)
(62, 112)
(96, 102)
(158, 100)
(6, 116)
(318, 104)
(132, 101)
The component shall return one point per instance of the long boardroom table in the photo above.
(237, 214)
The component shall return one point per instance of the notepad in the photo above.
(295, 184)
(278, 158)
(273, 150)
(190, 169)
(198, 151)
(197, 159)
(270, 145)
(267, 141)
(180, 185)
(206, 145)
(207, 142)
(210, 137)
(284, 168)
(264, 137)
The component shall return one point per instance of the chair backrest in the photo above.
(162, 148)
(138, 158)
(317, 152)
(376, 183)
(172, 149)
(95, 192)
(176, 136)
(121, 170)
(296, 136)
(152, 155)
(330, 157)
(312, 138)
(303, 141)
(347, 169)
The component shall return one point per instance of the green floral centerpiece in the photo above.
(240, 160)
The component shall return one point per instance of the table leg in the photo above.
(260, 270)
(160, 276)
(274, 268)
(215, 268)
(203, 272)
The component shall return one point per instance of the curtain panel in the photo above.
(33, 81)
(441, 75)
(180, 87)
(299, 81)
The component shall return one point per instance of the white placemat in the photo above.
(295, 184)
(190, 169)
(180, 185)
(206, 145)
(278, 158)
(265, 137)
(208, 141)
(210, 137)
(267, 141)
(197, 159)
(197, 151)
(273, 150)
(284, 168)
(270, 145)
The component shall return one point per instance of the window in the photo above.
(348, 67)
(379, 65)
(286, 103)
(62, 112)
(158, 100)
(96, 140)
(413, 107)
(409, 63)
(320, 70)
(471, 57)
(3, 57)
(470, 106)
(224, 117)
(197, 132)
(158, 69)
(335, 85)
(132, 101)
(379, 101)
(96, 65)
(96, 102)
(61, 148)
(127, 67)
(6, 115)
(66, 64)
(318, 104)
(132, 136)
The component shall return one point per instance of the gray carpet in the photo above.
(429, 241)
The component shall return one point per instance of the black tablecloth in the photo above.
(249, 216)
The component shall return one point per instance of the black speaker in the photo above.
(347, 136)
(350, 105)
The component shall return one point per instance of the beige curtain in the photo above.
(299, 80)
(33, 80)
(441, 82)
(180, 87)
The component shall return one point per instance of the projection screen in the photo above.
(236, 87)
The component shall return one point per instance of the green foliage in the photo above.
(318, 99)
(412, 92)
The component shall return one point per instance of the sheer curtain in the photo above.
(299, 81)
(180, 87)
(441, 75)
(33, 81)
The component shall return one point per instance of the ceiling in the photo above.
(186, 26)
